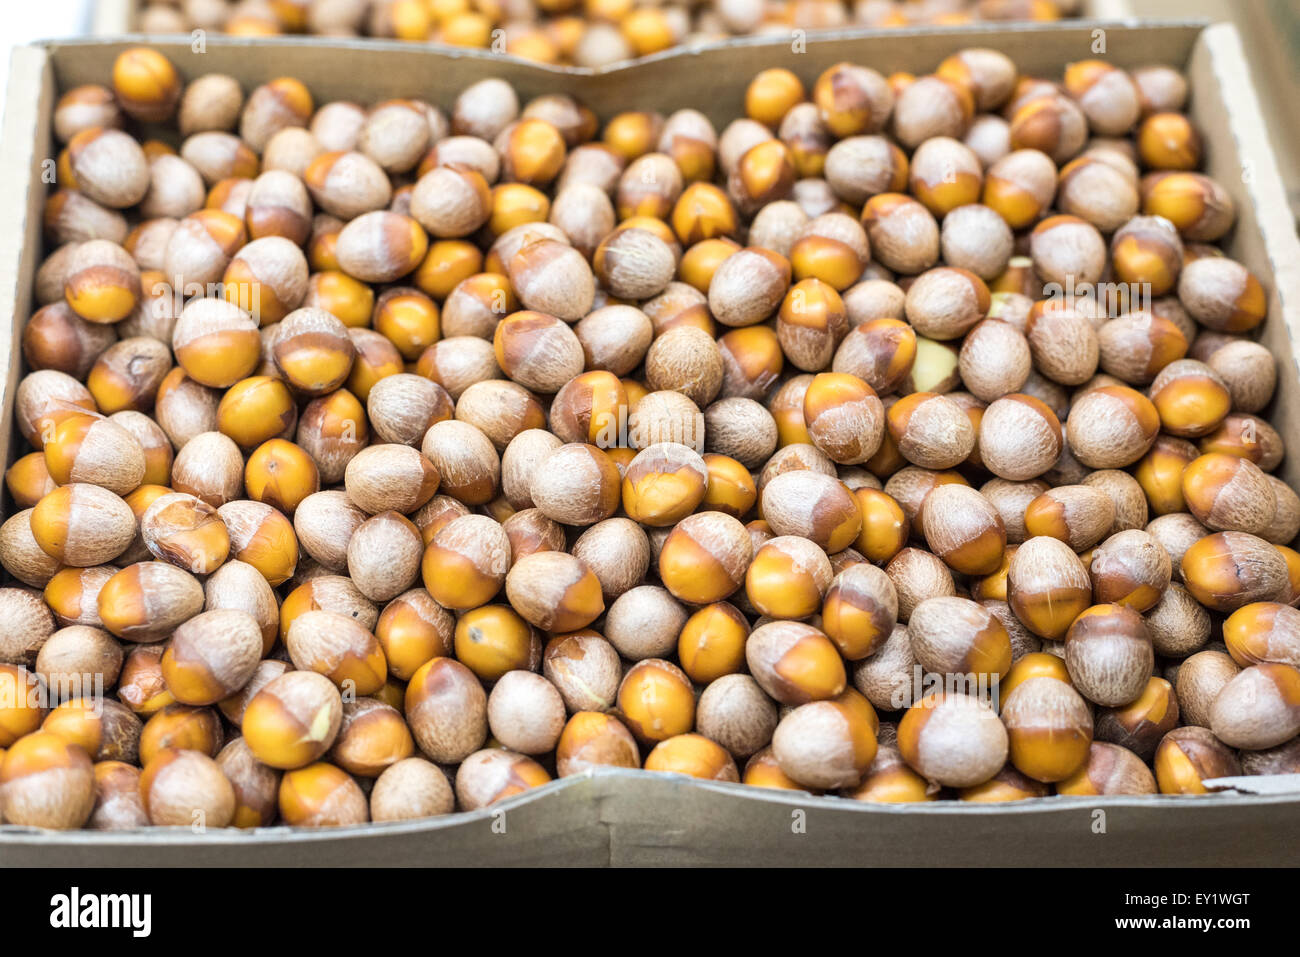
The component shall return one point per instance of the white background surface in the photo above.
(22, 21)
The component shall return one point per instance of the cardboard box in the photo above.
(627, 817)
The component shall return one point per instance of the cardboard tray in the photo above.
(631, 817)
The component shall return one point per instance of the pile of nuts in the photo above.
(587, 33)
(387, 461)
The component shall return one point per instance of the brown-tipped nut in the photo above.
(1109, 654)
(788, 578)
(321, 795)
(186, 788)
(584, 668)
(705, 557)
(1137, 346)
(1190, 398)
(795, 663)
(881, 351)
(255, 785)
(446, 708)
(844, 417)
(147, 85)
(964, 529)
(748, 287)
(827, 744)
(384, 556)
(1111, 427)
(1227, 493)
(1148, 249)
(83, 107)
(853, 99)
(147, 601)
(117, 797)
(466, 562)
(1047, 586)
(381, 246)
(390, 477)
(1248, 370)
(1248, 437)
(946, 174)
(538, 351)
(1140, 725)
(1020, 187)
(1052, 123)
(338, 647)
(663, 484)
(212, 656)
(411, 788)
(813, 506)
(932, 106)
(1078, 515)
(953, 635)
(953, 740)
(1227, 570)
(187, 532)
(1259, 708)
(1201, 209)
(1049, 729)
(885, 525)
(592, 739)
(96, 451)
(655, 701)
(1263, 632)
(182, 727)
(1187, 757)
(931, 430)
(576, 484)
(413, 629)
(554, 591)
(347, 184)
(1019, 437)
(644, 622)
(372, 737)
(493, 774)
(82, 525)
(1132, 569)
(552, 278)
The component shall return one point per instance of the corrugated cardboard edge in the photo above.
(636, 817)
(23, 132)
(1267, 191)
